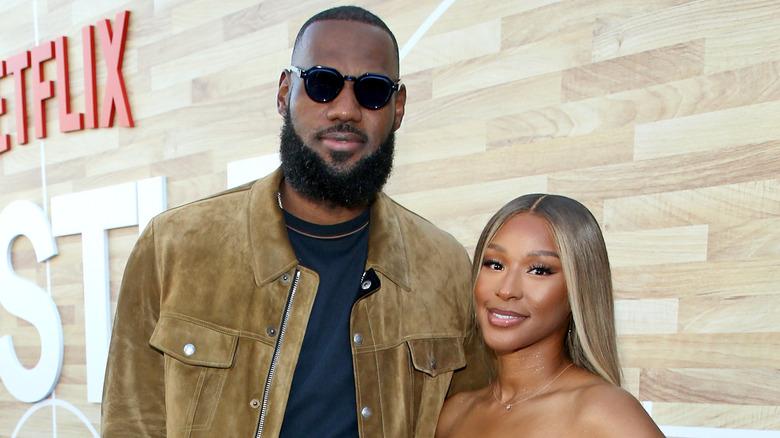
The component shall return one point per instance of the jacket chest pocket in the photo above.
(434, 356)
(197, 358)
(434, 360)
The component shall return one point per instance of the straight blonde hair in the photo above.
(592, 341)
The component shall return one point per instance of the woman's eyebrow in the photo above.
(542, 252)
(497, 247)
(535, 253)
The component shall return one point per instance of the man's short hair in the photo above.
(349, 13)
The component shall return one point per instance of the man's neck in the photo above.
(315, 212)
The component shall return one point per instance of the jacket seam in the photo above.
(222, 377)
(394, 344)
(412, 417)
(157, 267)
(378, 375)
(194, 401)
(359, 396)
(217, 328)
(199, 322)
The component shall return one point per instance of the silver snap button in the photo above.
(285, 278)
(271, 331)
(358, 338)
(366, 284)
(255, 403)
(433, 363)
(189, 350)
(366, 412)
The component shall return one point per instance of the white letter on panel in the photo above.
(152, 199)
(91, 214)
(250, 169)
(29, 302)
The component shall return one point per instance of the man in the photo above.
(307, 303)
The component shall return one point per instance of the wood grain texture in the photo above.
(660, 116)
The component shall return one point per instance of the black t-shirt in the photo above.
(322, 396)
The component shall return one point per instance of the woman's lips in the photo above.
(504, 318)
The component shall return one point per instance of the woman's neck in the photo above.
(525, 373)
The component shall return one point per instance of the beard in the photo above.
(314, 178)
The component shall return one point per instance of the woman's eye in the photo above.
(493, 264)
(540, 270)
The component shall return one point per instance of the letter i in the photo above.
(90, 86)
(5, 140)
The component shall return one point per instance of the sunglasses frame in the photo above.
(304, 74)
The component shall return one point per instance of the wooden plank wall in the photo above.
(661, 116)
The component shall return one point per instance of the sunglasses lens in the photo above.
(323, 85)
(373, 91)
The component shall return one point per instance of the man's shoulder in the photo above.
(225, 205)
(205, 209)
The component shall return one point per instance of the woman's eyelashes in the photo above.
(540, 269)
(493, 264)
(535, 268)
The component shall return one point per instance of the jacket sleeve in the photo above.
(134, 387)
(476, 374)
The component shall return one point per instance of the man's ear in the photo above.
(283, 94)
(400, 106)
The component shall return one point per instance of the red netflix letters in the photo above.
(115, 96)
(68, 121)
(16, 66)
(112, 45)
(5, 140)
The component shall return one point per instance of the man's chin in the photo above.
(345, 179)
(341, 161)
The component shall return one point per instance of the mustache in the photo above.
(343, 127)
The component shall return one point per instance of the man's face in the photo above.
(341, 132)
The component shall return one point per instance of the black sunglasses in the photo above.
(323, 84)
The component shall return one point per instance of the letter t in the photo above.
(16, 65)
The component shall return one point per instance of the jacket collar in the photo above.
(274, 256)
(386, 246)
(272, 253)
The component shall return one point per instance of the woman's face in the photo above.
(520, 293)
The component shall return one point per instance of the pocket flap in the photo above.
(194, 342)
(435, 356)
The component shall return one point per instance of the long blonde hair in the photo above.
(591, 343)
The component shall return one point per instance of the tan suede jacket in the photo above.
(213, 309)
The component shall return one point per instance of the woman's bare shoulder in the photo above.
(607, 411)
(455, 408)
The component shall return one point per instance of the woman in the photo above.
(543, 302)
